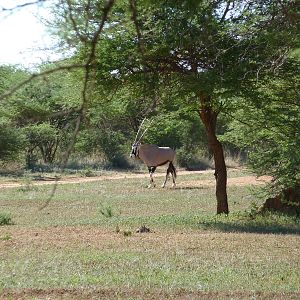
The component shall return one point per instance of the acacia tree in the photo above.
(267, 126)
(205, 49)
(215, 47)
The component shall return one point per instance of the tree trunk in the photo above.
(209, 119)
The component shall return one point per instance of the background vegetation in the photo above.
(231, 75)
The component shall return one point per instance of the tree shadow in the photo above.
(252, 226)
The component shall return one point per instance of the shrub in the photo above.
(191, 161)
(11, 142)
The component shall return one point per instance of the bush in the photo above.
(191, 161)
(110, 143)
(11, 142)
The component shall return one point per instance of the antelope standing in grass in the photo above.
(154, 156)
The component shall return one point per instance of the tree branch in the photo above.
(141, 46)
(225, 11)
(3, 9)
(38, 75)
(82, 38)
(88, 66)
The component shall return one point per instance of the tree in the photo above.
(267, 126)
(12, 139)
(204, 49)
(220, 42)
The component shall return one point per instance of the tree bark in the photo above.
(209, 118)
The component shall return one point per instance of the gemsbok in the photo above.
(154, 156)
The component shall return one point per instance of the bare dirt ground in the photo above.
(236, 181)
(98, 293)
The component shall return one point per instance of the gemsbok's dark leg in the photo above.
(173, 178)
(169, 170)
(151, 172)
(173, 172)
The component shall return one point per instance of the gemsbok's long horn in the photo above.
(145, 131)
(136, 137)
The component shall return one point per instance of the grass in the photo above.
(193, 269)
(72, 246)
(5, 219)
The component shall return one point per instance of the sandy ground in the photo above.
(237, 181)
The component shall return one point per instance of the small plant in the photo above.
(5, 219)
(6, 237)
(127, 233)
(107, 211)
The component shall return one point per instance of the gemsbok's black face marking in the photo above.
(134, 150)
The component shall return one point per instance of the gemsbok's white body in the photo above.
(154, 156)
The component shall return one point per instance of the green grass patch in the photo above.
(6, 237)
(192, 269)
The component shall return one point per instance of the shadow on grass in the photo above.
(191, 187)
(270, 224)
